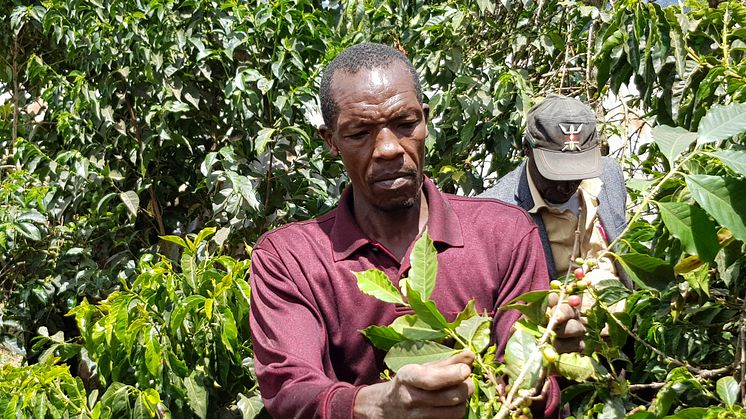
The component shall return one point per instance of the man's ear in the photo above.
(328, 137)
(426, 115)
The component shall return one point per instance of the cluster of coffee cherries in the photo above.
(522, 413)
(576, 283)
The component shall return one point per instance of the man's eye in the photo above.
(409, 125)
(359, 135)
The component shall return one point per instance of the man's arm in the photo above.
(290, 344)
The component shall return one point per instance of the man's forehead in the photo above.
(376, 76)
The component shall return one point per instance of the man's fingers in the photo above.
(566, 312)
(438, 375)
(570, 329)
(452, 396)
(568, 345)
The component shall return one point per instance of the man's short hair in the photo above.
(364, 56)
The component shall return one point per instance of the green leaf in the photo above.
(424, 261)
(522, 352)
(262, 139)
(476, 331)
(611, 290)
(131, 201)
(189, 269)
(196, 394)
(413, 328)
(575, 366)
(691, 225)
(426, 311)
(672, 141)
(174, 239)
(723, 198)
(33, 216)
(727, 389)
(250, 407)
(735, 159)
(722, 122)
(646, 271)
(699, 279)
(204, 234)
(382, 337)
(535, 305)
(417, 352)
(376, 284)
(153, 353)
(468, 312)
(613, 409)
(229, 334)
(28, 230)
(183, 308)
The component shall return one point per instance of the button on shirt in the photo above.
(307, 311)
(560, 221)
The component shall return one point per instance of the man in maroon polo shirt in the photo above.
(306, 310)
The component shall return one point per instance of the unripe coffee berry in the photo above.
(555, 284)
(550, 354)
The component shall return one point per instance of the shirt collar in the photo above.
(443, 225)
(588, 189)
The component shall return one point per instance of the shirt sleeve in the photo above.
(293, 368)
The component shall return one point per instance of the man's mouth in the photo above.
(394, 180)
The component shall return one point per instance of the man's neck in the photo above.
(395, 230)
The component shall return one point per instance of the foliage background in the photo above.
(126, 121)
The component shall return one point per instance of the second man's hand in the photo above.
(435, 390)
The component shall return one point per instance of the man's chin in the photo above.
(396, 205)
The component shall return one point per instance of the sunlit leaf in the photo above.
(722, 122)
(575, 366)
(690, 224)
(413, 328)
(672, 141)
(131, 201)
(476, 331)
(426, 311)
(522, 352)
(382, 337)
(196, 394)
(534, 305)
(646, 271)
(376, 284)
(728, 389)
(417, 352)
(424, 266)
(723, 198)
(735, 159)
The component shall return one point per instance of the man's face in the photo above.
(553, 191)
(380, 133)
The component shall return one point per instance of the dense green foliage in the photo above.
(124, 121)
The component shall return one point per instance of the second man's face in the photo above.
(380, 134)
(553, 191)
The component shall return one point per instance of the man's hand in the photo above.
(570, 329)
(434, 390)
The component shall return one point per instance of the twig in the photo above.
(704, 374)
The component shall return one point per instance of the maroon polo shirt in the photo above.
(307, 311)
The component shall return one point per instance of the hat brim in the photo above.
(560, 165)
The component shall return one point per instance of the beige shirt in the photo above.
(561, 222)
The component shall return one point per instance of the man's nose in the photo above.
(387, 145)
